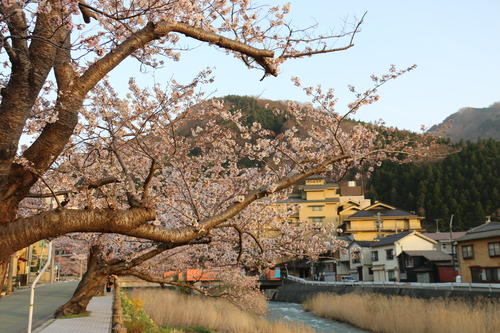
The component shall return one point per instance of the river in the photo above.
(293, 311)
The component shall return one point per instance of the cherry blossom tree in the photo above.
(169, 149)
(46, 37)
(136, 165)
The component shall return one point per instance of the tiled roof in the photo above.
(443, 235)
(318, 187)
(487, 230)
(364, 243)
(435, 255)
(485, 227)
(372, 213)
(391, 239)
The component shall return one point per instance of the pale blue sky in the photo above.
(455, 44)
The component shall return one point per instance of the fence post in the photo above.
(117, 322)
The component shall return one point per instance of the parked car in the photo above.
(349, 279)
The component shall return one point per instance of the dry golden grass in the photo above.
(169, 308)
(396, 314)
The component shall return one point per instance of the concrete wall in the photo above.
(299, 293)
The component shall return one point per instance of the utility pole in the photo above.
(452, 250)
(379, 224)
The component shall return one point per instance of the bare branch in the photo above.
(90, 185)
(148, 180)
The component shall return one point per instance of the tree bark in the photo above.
(92, 281)
(98, 270)
(4, 264)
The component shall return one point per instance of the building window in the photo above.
(409, 262)
(317, 219)
(317, 208)
(374, 255)
(492, 274)
(391, 275)
(356, 257)
(467, 252)
(494, 249)
(389, 254)
(370, 271)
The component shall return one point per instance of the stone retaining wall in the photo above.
(298, 293)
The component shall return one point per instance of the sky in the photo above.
(454, 43)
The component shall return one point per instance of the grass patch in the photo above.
(188, 313)
(79, 315)
(137, 320)
(189, 329)
(395, 314)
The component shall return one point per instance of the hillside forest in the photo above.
(465, 183)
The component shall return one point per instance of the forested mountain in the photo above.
(465, 184)
(472, 124)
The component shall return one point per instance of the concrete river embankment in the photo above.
(299, 290)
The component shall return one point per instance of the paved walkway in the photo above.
(14, 308)
(99, 320)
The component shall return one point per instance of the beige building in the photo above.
(379, 220)
(324, 203)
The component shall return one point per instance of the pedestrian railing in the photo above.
(117, 322)
(389, 284)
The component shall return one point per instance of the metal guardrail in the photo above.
(390, 284)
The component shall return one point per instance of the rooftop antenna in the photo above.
(437, 225)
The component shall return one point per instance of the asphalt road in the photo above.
(14, 309)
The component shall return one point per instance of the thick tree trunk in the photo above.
(92, 282)
(100, 288)
(87, 288)
(4, 264)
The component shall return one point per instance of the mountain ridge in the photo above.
(471, 124)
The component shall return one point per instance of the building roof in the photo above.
(363, 243)
(294, 200)
(437, 236)
(385, 211)
(391, 239)
(487, 230)
(313, 187)
(432, 255)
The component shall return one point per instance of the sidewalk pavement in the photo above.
(99, 320)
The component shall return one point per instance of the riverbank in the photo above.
(395, 314)
(170, 308)
(295, 292)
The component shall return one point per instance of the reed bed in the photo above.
(396, 314)
(169, 308)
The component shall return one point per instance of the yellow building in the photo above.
(379, 220)
(30, 259)
(324, 203)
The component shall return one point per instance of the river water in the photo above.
(293, 311)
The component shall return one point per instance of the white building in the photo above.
(385, 251)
